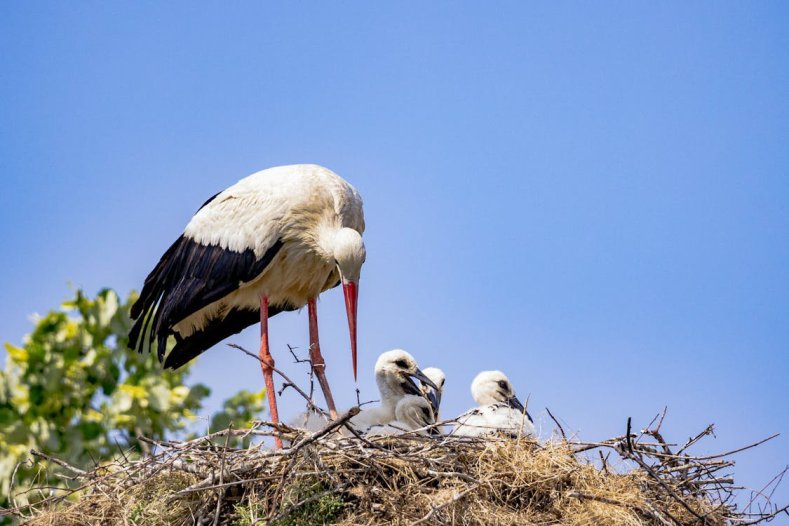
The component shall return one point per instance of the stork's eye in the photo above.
(503, 384)
(402, 364)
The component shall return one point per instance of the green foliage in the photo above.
(310, 504)
(74, 391)
(151, 504)
(240, 408)
(319, 507)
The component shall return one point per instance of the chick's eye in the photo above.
(426, 412)
(401, 364)
(502, 384)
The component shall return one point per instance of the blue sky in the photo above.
(592, 198)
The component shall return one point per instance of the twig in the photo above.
(59, 462)
(11, 496)
(221, 492)
(359, 436)
(662, 416)
(285, 377)
(561, 429)
(627, 435)
(764, 517)
(707, 431)
(341, 421)
(628, 454)
(646, 429)
(216, 434)
(728, 453)
(311, 373)
(604, 461)
(779, 477)
(655, 513)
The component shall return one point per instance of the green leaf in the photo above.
(90, 430)
(73, 383)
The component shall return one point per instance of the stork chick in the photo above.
(395, 371)
(438, 377)
(499, 409)
(412, 413)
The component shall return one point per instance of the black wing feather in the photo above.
(188, 277)
(234, 322)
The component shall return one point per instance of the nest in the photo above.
(336, 476)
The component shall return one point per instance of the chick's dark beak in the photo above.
(434, 397)
(410, 387)
(419, 375)
(514, 403)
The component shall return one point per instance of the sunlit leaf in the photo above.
(73, 384)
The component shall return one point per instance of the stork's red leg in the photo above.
(318, 363)
(267, 365)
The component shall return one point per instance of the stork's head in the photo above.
(349, 256)
(395, 372)
(491, 387)
(434, 395)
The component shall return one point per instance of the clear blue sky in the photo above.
(592, 198)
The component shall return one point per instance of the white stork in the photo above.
(270, 243)
(499, 410)
(394, 374)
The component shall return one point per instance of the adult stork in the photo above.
(270, 243)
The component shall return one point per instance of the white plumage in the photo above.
(498, 411)
(411, 413)
(309, 208)
(494, 418)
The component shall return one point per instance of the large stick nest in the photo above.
(335, 477)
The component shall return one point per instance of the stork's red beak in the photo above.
(351, 291)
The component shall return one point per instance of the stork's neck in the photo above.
(324, 240)
(389, 395)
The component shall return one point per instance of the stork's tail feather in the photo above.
(153, 287)
(145, 311)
